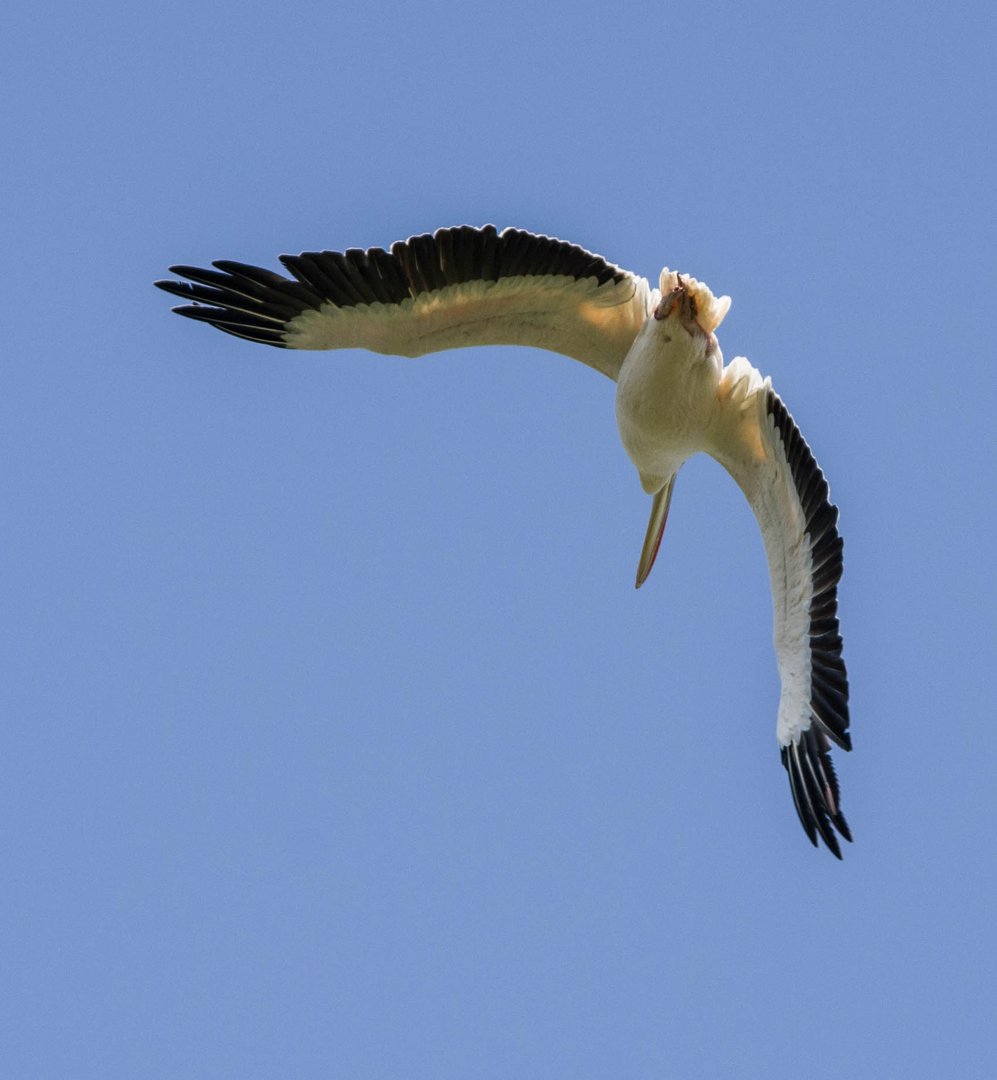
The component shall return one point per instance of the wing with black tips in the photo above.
(771, 461)
(456, 287)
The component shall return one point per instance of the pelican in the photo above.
(469, 286)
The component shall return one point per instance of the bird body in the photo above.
(666, 392)
(674, 398)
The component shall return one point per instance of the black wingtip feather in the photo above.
(814, 786)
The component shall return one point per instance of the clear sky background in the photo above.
(335, 740)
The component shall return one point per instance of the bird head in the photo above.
(698, 310)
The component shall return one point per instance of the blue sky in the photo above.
(336, 741)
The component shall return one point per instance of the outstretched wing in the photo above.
(760, 445)
(455, 287)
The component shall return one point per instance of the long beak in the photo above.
(655, 528)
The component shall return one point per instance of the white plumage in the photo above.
(468, 286)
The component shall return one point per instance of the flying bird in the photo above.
(674, 397)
